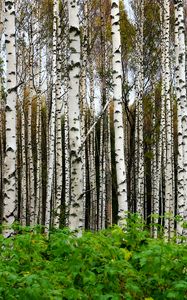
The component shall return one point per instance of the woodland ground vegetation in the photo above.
(110, 264)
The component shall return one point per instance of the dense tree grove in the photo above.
(93, 113)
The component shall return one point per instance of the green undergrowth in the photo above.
(111, 264)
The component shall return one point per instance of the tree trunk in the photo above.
(180, 62)
(51, 148)
(10, 204)
(57, 203)
(169, 197)
(118, 118)
(139, 110)
(76, 205)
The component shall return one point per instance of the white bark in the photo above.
(139, 109)
(180, 62)
(169, 197)
(102, 179)
(1, 152)
(92, 166)
(1, 22)
(76, 205)
(162, 140)
(23, 174)
(51, 148)
(31, 188)
(83, 100)
(154, 169)
(10, 154)
(39, 127)
(39, 152)
(183, 102)
(109, 176)
(64, 50)
(67, 160)
(118, 119)
(92, 144)
(57, 204)
(1, 119)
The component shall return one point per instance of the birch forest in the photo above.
(93, 113)
(93, 150)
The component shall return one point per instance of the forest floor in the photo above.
(111, 264)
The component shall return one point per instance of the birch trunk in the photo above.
(67, 160)
(1, 153)
(10, 204)
(180, 62)
(1, 121)
(83, 94)
(93, 187)
(39, 151)
(118, 119)
(102, 191)
(76, 206)
(39, 131)
(31, 187)
(109, 176)
(64, 50)
(154, 170)
(183, 101)
(162, 140)
(139, 109)
(169, 199)
(51, 148)
(24, 182)
(57, 206)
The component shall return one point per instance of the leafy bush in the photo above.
(111, 264)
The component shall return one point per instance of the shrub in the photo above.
(111, 264)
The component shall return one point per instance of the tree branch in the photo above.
(95, 123)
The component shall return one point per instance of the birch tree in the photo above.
(83, 97)
(38, 143)
(118, 120)
(51, 149)
(10, 153)
(92, 146)
(180, 62)
(57, 201)
(65, 73)
(103, 123)
(169, 199)
(155, 167)
(76, 205)
(1, 113)
(92, 150)
(30, 163)
(139, 109)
